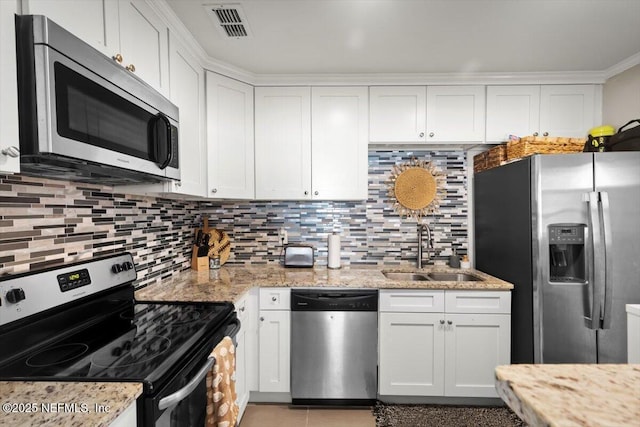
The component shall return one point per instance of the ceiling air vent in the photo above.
(229, 19)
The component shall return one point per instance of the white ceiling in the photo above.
(421, 36)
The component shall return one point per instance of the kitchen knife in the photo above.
(203, 249)
(199, 238)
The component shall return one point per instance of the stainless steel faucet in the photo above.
(422, 228)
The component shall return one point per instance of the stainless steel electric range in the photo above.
(80, 322)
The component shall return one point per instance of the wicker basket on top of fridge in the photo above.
(491, 158)
(530, 145)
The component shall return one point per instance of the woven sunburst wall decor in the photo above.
(416, 188)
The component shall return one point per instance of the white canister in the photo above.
(333, 257)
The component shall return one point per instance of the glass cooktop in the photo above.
(140, 342)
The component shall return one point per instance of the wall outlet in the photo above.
(284, 239)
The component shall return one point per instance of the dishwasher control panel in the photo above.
(335, 300)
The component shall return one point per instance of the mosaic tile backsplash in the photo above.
(371, 231)
(45, 222)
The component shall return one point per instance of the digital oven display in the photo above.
(73, 280)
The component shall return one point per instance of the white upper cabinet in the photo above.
(9, 134)
(94, 21)
(187, 92)
(568, 110)
(397, 114)
(128, 31)
(230, 138)
(283, 143)
(339, 141)
(455, 113)
(295, 163)
(144, 39)
(417, 114)
(512, 110)
(548, 110)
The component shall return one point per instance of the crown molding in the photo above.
(622, 66)
(576, 77)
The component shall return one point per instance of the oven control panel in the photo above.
(25, 294)
(73, 280)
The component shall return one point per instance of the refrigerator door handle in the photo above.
(596, 263)
(608, 260)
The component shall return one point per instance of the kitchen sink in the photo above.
(433, 277)
(411, 277)
(453, 277)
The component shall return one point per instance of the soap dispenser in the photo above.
(454, 260)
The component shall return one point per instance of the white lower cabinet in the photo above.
(474, 344)
(274, 335)
(246, 350)
(451, 348)
(411, 354)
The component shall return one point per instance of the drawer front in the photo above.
(498, 302)
(275, 299)
(411, 301)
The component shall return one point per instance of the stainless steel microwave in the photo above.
(84, 117)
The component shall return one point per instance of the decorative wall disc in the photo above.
(416, 188)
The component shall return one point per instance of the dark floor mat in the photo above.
(444, 416)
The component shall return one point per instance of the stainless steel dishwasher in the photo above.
(334, 347)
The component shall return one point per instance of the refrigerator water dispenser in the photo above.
(567, 263)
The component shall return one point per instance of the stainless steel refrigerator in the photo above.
(565, 230)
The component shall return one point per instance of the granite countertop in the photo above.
(65, 403)
(572, 395)
(231, 282)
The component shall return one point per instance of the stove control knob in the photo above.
(126, 266)
(117, 351)
(15, 295)
(116, 268)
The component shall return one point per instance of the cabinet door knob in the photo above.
(131, 68)
(431, 134)
(535, 134)
(449, 322)
(261, 319)
(117, 57)
(306, 193)
(442, 322)
(421, 134)
(214, 190)
(178, 184)
(12, 151)
(241, 308)
(545, 134)
(315, 193)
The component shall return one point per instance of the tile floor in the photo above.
(270, 415)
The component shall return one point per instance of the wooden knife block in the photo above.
(199, 263)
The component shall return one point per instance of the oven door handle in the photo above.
(236, 328)
(175, 398)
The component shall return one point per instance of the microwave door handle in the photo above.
(157, 140)
(175, 398)
(608, 263)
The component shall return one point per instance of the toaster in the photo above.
(298, 255)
